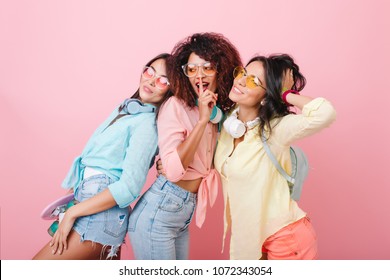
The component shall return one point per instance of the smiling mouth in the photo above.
(236, 90)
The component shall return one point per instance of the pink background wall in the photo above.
(64, 65)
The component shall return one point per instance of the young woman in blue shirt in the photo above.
(110, 173)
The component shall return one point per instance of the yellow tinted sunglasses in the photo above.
(251, 81)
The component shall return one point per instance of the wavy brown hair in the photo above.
(275, 67)
(212, 47)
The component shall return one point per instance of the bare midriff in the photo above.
(190, 185)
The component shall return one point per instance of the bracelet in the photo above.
(284, 95)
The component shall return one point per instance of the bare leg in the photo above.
(77, 250)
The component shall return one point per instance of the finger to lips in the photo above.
(200, 86)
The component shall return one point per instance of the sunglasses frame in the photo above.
(155, 77)
(200, 65)
(240, 69)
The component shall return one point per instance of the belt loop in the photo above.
(163, 181)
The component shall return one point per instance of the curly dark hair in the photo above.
(169, 93)
(212, 47)
(274, 68)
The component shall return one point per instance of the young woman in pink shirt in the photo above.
(200, 75)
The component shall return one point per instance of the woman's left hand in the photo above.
(288, 80)
(59, 241)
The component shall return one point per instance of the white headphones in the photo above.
(216, 115)
(134, 106)
(237, 128)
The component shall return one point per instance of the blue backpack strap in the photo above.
(300, 169)
(267, 149)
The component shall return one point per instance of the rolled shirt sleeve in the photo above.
(316, 115)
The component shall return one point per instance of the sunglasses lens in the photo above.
(162, 82)
(251, 81)
(238, 72)
(190, 70)
(208, 69)
(148, 73)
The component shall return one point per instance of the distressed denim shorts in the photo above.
(108, 227)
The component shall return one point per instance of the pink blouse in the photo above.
(176, 121)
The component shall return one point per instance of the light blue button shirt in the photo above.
(124, 151)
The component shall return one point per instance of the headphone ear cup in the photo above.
(216, 115)
(237, 128)
(227, 123)
(133, 106)
(234, 127)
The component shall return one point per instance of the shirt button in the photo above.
(209, 151)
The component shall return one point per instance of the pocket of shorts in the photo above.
(115, 222)
(138, 208)
(171, 203)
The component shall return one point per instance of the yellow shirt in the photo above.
(257, 198)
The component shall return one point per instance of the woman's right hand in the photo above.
(59, 242)
(206, 101)
(160, 168)
(288, 80)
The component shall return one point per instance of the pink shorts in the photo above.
(297, 241)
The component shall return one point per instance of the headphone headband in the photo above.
(133, 106)
(235, 127)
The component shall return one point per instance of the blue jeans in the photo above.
(158, 225)
(108, 227)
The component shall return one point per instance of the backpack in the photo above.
(299, 167)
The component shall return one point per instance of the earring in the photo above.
(262, 102)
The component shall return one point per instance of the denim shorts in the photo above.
(108, 227)
(158, 225)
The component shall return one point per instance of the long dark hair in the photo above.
(274, 68)
(211, 47)
(168, 94)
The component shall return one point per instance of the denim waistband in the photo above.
(162, 183)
